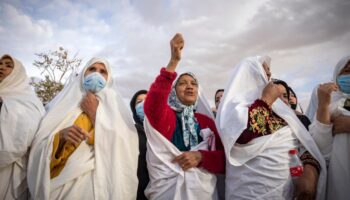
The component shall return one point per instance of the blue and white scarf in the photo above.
(187, 114)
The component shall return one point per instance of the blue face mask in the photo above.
(94, 82)
(139, 111)
(344, 83)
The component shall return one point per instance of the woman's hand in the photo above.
(73, 134)
(188, 159)
(270, 93)
(324, 99)
(341, 124)
(306, 185)
(324, 93)
(89, 106)
(176, 46)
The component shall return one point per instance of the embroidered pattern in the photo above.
(276, 123)
(259, 116)
(264, 122)
(307, 158)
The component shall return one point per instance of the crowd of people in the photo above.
(87, 145)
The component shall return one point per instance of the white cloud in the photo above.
(304, 38)
(19, 27)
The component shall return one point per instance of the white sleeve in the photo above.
(322, 134)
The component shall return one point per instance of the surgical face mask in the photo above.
(139, 111)
(293, 106)
(94, 82)
(344, 83)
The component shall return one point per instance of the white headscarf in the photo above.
(336, 96)
(245, 86)
(116, 141)
(312, 107)
(188, 120)
(339, 97)
(340, 65)
(21, 113)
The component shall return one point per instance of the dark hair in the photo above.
(6, 56)
(295, 106)
(217, 91)
(284, 84)
(292, 91)
(133, 104)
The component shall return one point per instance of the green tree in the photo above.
(55, 66)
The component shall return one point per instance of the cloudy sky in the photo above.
(305, 38)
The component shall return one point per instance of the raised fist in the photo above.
(270, 93)
(324, 93)
(176, 45)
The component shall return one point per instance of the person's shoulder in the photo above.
(204, 118)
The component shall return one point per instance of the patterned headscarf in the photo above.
(187, 114)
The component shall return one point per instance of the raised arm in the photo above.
(324, 99)
(321, 127)
(176, 46)
(156, 107)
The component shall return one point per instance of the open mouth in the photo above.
(189, 93)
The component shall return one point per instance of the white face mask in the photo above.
(139, 110)
(344, 83)
(94, 82)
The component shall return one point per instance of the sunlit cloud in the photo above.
(304, 38)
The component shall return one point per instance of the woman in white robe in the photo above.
(184, 150)
(331, 131)
(259, 168)
(20, 115)
(104, 162)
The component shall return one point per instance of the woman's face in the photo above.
(187, 90)
(267, 70)
(345, 70)
(218, 97)
(284, 95)
(6, 67)
(140, 98)
(97, 67)
(293, 99)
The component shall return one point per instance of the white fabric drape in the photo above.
(167, 179)
(335, 149)
(20, 116)
(312, 107)
(105, 171)
(259, 177)
(245, 86)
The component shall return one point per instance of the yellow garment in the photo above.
(60, 157)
